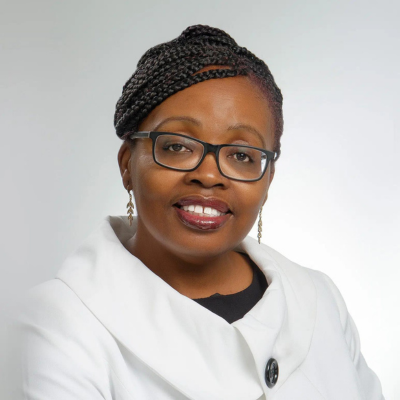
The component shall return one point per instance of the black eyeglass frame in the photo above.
(208, 148)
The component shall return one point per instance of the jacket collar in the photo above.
(196, 351)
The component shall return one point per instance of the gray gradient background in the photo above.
(333, 204)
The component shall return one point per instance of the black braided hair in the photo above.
(172, 66)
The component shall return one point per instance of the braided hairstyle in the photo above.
(172, 66)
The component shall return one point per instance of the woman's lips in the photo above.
(201, 222)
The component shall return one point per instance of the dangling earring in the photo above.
(130, 208)
(259, 225)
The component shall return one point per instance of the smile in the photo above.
(202, 213)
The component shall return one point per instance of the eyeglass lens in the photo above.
(236, 162)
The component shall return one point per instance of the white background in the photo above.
(334, 201)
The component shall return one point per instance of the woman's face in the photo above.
(218, 106)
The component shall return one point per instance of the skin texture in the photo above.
(198, 263)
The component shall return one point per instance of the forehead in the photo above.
(217, 104)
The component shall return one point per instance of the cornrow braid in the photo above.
(169, 67)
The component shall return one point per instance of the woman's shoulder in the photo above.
(324, 285)
(53, 310)
(54, 324)
(64, 348)
(54, 307)
(288, 265)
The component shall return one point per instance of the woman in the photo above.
(177, 302)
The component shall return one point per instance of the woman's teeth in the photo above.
(202, 211)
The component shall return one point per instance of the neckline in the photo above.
(243, 291)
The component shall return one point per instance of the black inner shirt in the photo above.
(234, 306)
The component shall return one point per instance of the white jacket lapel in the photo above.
(281, 324)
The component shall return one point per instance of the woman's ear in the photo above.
(124, 156)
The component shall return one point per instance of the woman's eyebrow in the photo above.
(196, 122)
(178, 118)
(250, 129)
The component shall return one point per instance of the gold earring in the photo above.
(259, 225)
(130, 208)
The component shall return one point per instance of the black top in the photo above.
(234, 306)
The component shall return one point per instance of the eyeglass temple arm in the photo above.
(274, 155)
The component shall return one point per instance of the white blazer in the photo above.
(107, 327)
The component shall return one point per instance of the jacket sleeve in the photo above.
(59, 358)
(368, 380)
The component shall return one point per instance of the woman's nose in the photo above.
(207, 173)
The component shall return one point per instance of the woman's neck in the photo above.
(193, 276)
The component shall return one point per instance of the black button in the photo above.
(271, 372)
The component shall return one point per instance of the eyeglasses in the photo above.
(184, 153)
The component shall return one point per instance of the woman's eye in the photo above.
(243, 157)
(176, 147)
